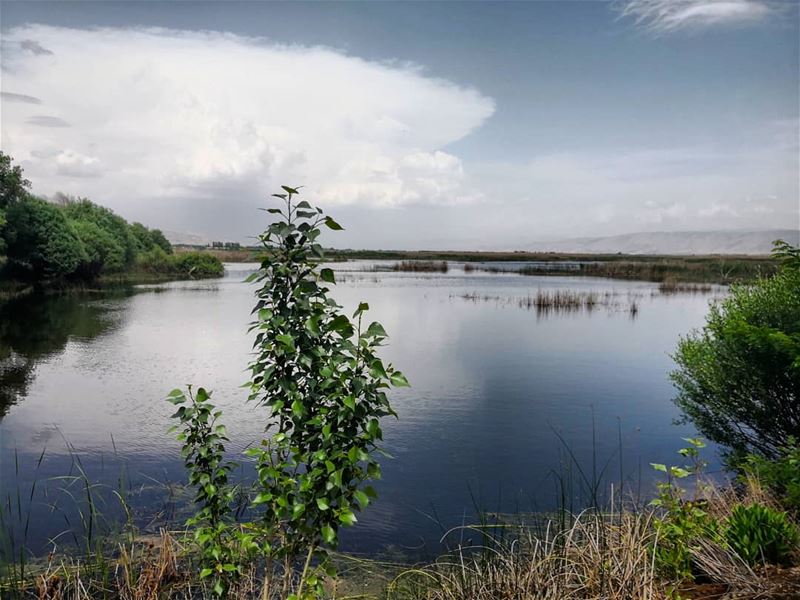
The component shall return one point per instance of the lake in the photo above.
(508, 405)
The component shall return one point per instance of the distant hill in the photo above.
(676, 242)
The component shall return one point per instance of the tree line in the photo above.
(75, 239)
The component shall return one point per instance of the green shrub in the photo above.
(104, 218)
(780, 475)
(197, 265)
(221, 545)
(41, 241)
(758, 534)
(319, 375)
(155, 261)
(738, 379)
(146, 238)
(682, 522)
(103, 253)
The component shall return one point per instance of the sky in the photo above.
(437, 125)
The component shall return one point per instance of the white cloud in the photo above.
(191, 131)
(664, 16)
(160, 115)
(74, 164)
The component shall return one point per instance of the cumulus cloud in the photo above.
(174, 116)
(664, 16)
(191, 131)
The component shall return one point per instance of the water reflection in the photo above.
(491, 384)
(34, 327)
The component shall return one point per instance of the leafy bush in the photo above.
(13, 188)
(781, 475)
(738, 379)
(758, 534)
(325, 387)
(103, 253)
(115, 226)
(682, 522)
(197, 265)
(147, 239)
(220, 545)
(41, 241)
(155, 261)
(319, 375)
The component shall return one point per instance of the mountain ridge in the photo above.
(754, 242)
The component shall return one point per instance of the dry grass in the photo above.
(599, 556)
(595, 555)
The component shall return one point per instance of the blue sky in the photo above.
(489, 125)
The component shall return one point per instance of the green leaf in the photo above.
(286, 340)
(327, 275)
(322, 503)
(375, 329)
(328, 534)
(333, 224)
(659, 467)
(348, 517)
(297, 408)
(289, 190)
(399, 380)
(349, 402)
(205, 572)
(362, 498)
(262, 497)
(372, 428)
(679, 472)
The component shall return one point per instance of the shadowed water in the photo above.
(495, 382)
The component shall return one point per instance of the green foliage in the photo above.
(780, 475)
(760, 534)
(738, 379)
(197, 265)
(13, 188)
(78, 239)
(683, 521)
(103, 252)
(105, 219)
(221, 546)
(319, 374)
(155, 261)
(41, 241)
(13, 185)
(146, 239)
(786, 254)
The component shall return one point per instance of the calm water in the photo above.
(494, 385)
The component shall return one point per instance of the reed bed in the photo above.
(670, 286)
(421, 266)
(544, 302)
(720, 269)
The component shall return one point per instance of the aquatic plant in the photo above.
(421, 266)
